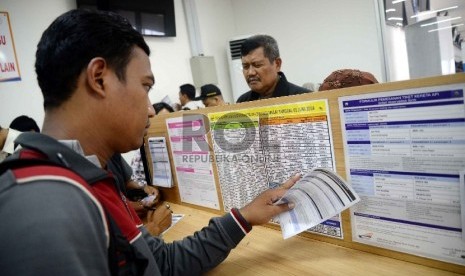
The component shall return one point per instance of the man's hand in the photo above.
(158, 220)
(151, 190)
(261, 210)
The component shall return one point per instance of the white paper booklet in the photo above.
(318, 196)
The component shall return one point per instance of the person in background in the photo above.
(162, 108)
(187, 97)
(261, 66)
(347, 78)
(24, 123)
(8, 135)
(61, 227)
(210, 95)
(138, 175)
(145, 199)
(7, 145)
(158, 217)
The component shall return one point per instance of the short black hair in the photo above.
(24, 123)
(75, 38)
(269, 44)
(162, 105)
(188, 90)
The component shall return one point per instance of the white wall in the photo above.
(446, 45)
(436, 46)
(24, 97)
(217, 26)
(396, 48)
(169, 58)
(315, 37)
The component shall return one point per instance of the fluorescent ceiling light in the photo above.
(440, 21)
(396, 18)
(431, 12)
(397, 1)
(390, 10)
(450, 27)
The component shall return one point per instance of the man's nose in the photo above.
(251, 71)
(150, 109)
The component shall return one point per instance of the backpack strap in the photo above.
(15, 163)
(41, 150)
(61, 155)
(120, 251)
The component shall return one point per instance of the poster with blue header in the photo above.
(404, 152)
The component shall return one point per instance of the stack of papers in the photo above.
(318, 196)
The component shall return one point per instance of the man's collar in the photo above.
(279, 90)
(53, 150)
(76, 146)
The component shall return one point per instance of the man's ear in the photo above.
(95, 72)
(278, 62)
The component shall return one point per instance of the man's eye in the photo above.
(148, 87)
(245, 66)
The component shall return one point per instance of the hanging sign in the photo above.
(9, 69)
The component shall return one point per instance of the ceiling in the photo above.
(398, 12)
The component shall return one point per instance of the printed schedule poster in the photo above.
(9, 69)
(259, 148)
(190, 152)
(404, 151)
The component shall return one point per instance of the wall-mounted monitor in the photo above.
(149, 17)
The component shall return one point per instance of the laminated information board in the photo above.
(404, 151)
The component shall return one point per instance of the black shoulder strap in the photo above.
(119, 248)
(15, 163)
(143, 157)
(61, 155)
(117, 241)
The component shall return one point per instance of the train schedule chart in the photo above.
(259, 148)
(404, 151)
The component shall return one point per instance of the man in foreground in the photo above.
(63, 214)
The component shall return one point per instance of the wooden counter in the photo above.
(261, 253)
(264, 252)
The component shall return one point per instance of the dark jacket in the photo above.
(52, 226)
(283, 88)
